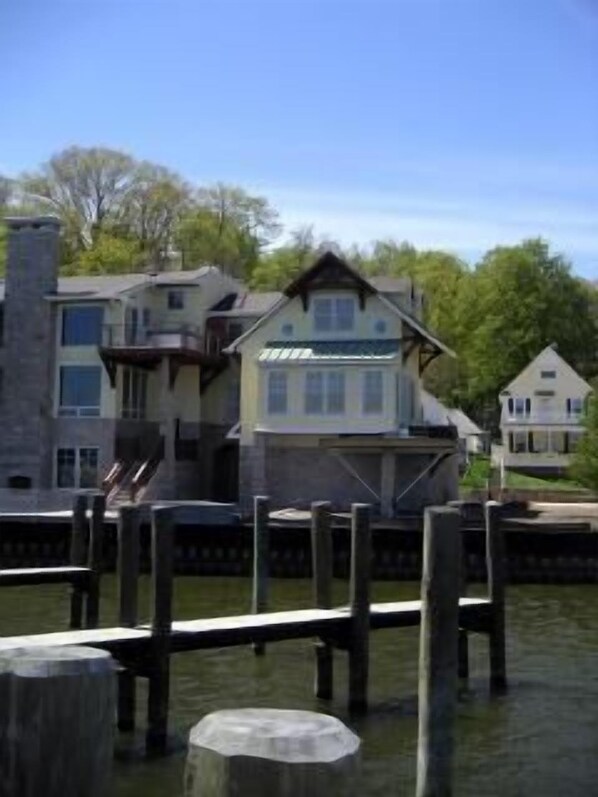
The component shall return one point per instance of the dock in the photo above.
(145, 650)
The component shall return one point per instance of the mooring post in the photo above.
(261, 563)
(359, 601)
(128, 576)
(321, 549)
(57, 722)
(161, 625)
(96, 559)
(496, 566)
(463, 643)
(438, 652)
(78, 556)
(272, 752)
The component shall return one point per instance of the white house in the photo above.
(541, 413)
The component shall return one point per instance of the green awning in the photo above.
(329, 350)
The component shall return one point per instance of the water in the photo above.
(541, 739)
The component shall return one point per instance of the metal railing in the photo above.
(159, 334)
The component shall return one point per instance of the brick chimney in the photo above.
(29, 351)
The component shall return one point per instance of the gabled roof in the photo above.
(328, 272)
(550, 357)
(331, 272)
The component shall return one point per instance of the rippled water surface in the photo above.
(541, 739)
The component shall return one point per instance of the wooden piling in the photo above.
(78, 557)
(359, 601)
(321, 547)
(496, 566)
(438, 652)
(261, 563)
(163, 529)
(96, 556)
(265, 751)
(57, 722)
(128, 576)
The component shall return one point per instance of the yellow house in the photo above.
(331, 396)
(541, 411)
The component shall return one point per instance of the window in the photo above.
(334, 315)
(80, 390)
(519, 442)
(277, 392)
(548, 374)
(176, 300)
(287, 330)
(335, 395)
(314, 393)
(82, 326)
(134, 395)
(519, 407)
(373, 397)
(380, 326)
(574, 406)
(324, 393)
(77, 467)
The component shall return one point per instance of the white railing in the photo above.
(548, 418)
(160, 334)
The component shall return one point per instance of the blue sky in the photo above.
(450, 123)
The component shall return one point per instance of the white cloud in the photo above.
(467, 225)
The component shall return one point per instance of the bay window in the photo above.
(277, 392)
(373, 392)
(324, 393)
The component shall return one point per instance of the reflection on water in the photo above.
(541, 739)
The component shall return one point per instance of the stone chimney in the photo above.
(29, 351)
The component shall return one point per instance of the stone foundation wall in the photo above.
(294, 476)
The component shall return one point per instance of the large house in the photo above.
(541, 413)
(186, 385)
(331, 396)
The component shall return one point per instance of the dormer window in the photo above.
(334, 314)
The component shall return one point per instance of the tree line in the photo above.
(120, 215)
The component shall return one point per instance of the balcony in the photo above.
(541, 419)
(146, 346)
(158, 336)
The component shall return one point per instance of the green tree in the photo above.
(227, 227)
(520, 300)
(86, 187)
(584, 464)
(278, 267)
(109, 254)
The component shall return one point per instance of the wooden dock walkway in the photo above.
(221, 632)
(145, 650)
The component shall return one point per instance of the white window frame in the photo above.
(277, 390)
(519, 407)
(76, 467)
(321, 399)
(372, 392)
(332, 319)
